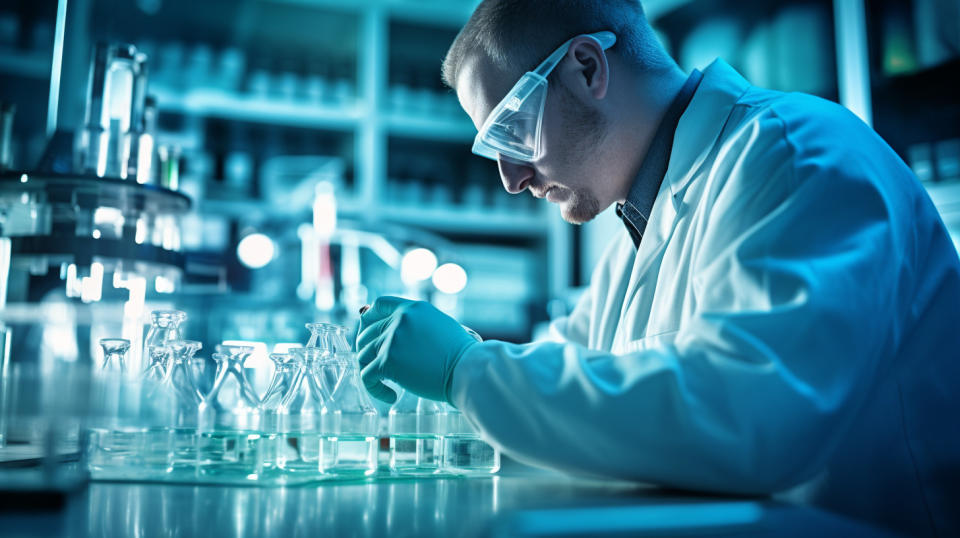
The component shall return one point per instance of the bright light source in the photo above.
(255, 250)
(417, 264)
(450, 278)
(23, 178)
(164, 285)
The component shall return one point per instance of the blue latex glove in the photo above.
(411, 343)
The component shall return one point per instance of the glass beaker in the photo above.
(273, 445)
(464, 451)
(414, 424)
(114, 354)
(183, 380)
(164, 329)
(229, 421)
(349, 446)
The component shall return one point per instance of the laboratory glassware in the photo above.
(350, 444)
(183, 380)
(229, 421)
(414, 424)
(464, 451)
(328, 337)
(164, 329)
(274, 446)
(300, 415)
(114, 354)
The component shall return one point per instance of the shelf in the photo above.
(440, 12)
(430, 128)
(25, 64)
(227, 105)
(445, 219)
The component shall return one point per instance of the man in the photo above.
(778, 316)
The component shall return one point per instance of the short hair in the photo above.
(515, 35)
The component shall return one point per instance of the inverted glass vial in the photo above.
(349, 446)
(464, 451)
(228, 443)
(415, 442)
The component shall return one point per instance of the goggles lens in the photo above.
(513, 128)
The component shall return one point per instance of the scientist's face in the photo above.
(571, 135)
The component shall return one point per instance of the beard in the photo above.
(586, 130)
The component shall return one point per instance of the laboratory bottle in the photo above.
(350, 445)
(300, 416)
(183, 379)
(328, 337)
(464, 451)
(272, 446)
(414, 427)
(228, 424)
(164, 329)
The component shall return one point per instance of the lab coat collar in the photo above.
(702, 123)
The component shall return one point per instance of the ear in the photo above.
(587, 69)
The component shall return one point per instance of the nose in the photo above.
(516, 176)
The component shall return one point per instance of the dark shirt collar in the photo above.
(635, 210)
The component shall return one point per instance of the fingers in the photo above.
(372, 377)
(371, 332)
(382, 307)
(369, 352)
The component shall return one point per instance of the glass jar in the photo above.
(183, 381)
(273, 446)
(164, 329)
(464, 451)
(114, 354)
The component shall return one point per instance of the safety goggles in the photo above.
(513, 128)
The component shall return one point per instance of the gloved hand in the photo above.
(412, 343)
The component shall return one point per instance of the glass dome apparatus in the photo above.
(229, 421)
(415, 426)
(350, 444)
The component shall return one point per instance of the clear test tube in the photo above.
(104, 145)
(143, 111)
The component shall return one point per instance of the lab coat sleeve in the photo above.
(793, 284)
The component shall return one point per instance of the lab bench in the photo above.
(519, 501)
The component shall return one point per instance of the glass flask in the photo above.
(129, 435)
(183, 380)
(464, 452)
(229, 421)
(328, 337)
(415, 425)
(164, 329)
(350, 445)
(300, 414)
(274, 446)
(114, 354)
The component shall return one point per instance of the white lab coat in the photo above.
(789, 323)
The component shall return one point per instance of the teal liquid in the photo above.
(349, 455)
(114, 453)
(184, 449)
(156, 446)
(469, 454)
(231, 454)
(299, 453)
(415, 454)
